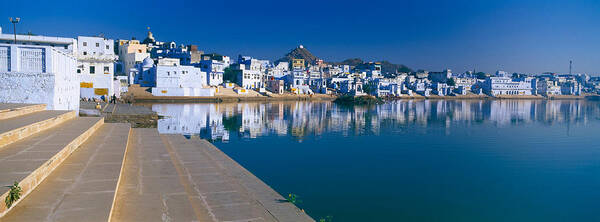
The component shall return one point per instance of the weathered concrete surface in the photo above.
(83, 187)
(137, 116)
(255, 188)
(171, 178)
(31, 160)
(15, 129)
(150, 189)
(11, 110)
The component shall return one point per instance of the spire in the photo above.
(149, 33)
(149, 38)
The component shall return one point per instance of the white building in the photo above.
(172, 80)
(499, 86)
(352, 87)
(388, 88)
(373, 70)
(214, 70)
(278, 71)
(547, 87)
(38, 74)
(440, 77)
(464, 82)
(251, 72)
(68, 45)
(95, 66)
(250, 78)
(298, 78)
(131, 53)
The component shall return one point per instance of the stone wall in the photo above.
(27, 88)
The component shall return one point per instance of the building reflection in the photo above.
(301, 119)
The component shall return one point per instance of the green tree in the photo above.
(232, 123)
(369, 88)
(481, 75)
(230, 75)
(450, 82)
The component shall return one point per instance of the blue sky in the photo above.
(516, 36)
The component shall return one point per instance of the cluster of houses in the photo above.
(500, 84)
(59, 71)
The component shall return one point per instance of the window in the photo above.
(107, 47)
(106, 70)
(66, 47)
(84, 53)
(92, 69)
(97, 44)
(78, 70)
(84, 43)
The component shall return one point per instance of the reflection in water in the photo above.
(300, 119)
(421, 160)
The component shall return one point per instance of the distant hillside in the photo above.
(386, 67)
(298, 53)
(302, 53)
(350, 62)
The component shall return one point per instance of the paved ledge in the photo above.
(150, 189)
(171, 178)
(260, 192)
(31, 160)
(5, 107)
(11, 110)
(137, 116)
(15, 129)
(83, 187)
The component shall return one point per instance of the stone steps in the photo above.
(11, 110)
(30, 160)
(83, 188)
(81, 169)
(23, 126)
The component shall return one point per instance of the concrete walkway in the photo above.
(21, 121)
(137, 116)
(126, 109)
(83, 187)
(10, 110)
(17, 128)
(4, 107)
(255, 189)
(19, 159)
(150, 189)
(171, 178)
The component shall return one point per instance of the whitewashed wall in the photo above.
(39, 74)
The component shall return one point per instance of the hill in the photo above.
(298, 53)
(302, 53)
(386, 66)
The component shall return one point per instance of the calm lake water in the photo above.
(427, 160)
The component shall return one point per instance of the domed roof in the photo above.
(148, 62)
(150, 38)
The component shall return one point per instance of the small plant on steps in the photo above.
(13, 195)
(293, 198)
(326, 219)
